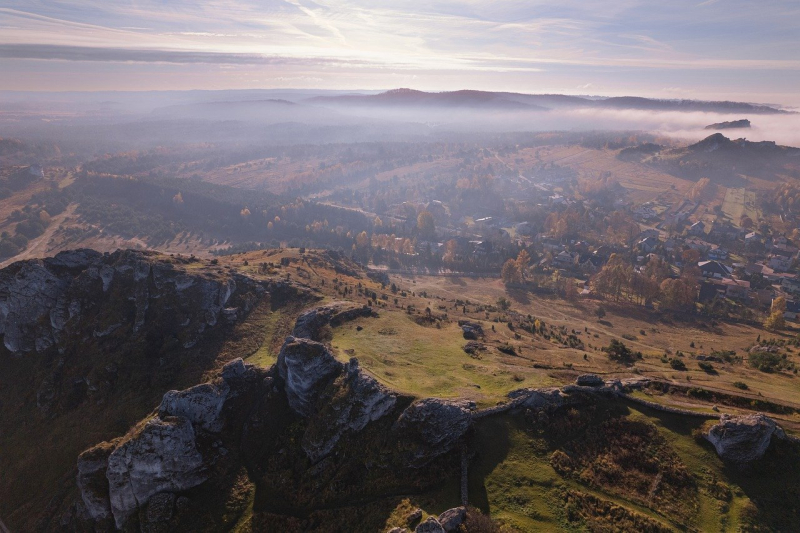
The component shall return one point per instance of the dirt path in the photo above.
(38, 246)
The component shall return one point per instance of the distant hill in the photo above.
(538, 102)
(730, 125)
(413, 98)
(722, 159)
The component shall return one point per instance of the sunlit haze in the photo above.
(713, 49)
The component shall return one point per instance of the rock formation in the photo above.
(162, 457)
(743, 439)
(43, 301)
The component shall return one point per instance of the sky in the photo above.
(709, 49)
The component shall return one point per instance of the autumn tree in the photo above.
(775, 320)
(425, 224)
(677, 294)
(523, 261)
(510, 272)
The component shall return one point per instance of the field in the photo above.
(739, 203)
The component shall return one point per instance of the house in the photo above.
(792, 310)
(752, 239)
(791, 285)
(718, 254)
(565, 258)
(779, 263)
(592, 264)
(697, 229)
(698, 244)
(552, 245)
(648, 245)
(714, 269)
(736, 289)
(603, 252)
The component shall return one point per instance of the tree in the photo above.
(510, 272)
(523, 260)
(617, 351)
(677, 295)
(425, 224)
(600, 312)
(775, 320)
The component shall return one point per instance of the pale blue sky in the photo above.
(713, 49)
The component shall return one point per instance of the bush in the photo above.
(617, 351)
(740, 385)
(677, 364)
(769, 362)
(706, 366)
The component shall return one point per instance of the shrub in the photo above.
(617, 351)
(706, 366)
(769, 362)
(740, 385)
(677, 364)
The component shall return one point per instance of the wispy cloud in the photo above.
(513, 37)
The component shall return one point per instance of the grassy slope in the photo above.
(427, 361)
(512, 478)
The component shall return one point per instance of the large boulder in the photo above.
(432, 427)
(306, 367)
(431, 525)
(354, 401)
(310, 323)
(162, 457)
(742, 439)
(452, 519)
(201, 405)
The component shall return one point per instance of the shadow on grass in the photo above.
(492, 442)
(519, 295)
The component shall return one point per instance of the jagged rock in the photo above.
(309, 324)
(398, 530)
(92, 481)
(234, 369)
(41, 299)
(414, 516)
(160, 508)
(537, 398)
(433, 427)
(743, 439)
(471, 330)
(305, 366)
(590, 380)
(357, 400)
(201, 405)
(162, 457)
(453, 518)
(431, 525)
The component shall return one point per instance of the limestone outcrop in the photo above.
(432, 427)
(743, 439)
(305, 366)
(44, 301)
(309, 324)
(162, 457)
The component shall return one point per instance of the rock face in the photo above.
(589, 380)
(42, 301)
(92, 481)
(358, 400)
(163, 457)
(201, 404)
(305, 366)
(432, 427)
(743, 439)
(310, 323)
